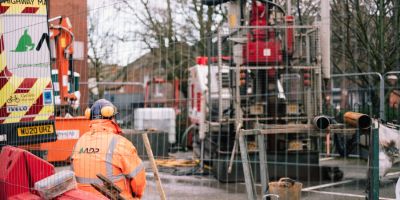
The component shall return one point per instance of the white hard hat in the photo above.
(392, 77)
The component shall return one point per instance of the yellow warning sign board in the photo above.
(23, 7)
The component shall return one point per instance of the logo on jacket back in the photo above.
(89, 150)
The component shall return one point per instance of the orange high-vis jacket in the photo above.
(102, 151)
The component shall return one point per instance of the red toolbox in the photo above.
(19, 170)
(25, 196)
(70, 195)
(79, 195)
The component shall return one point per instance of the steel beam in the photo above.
(250, 187)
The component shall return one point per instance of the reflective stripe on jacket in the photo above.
(101, 151)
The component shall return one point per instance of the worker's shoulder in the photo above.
(122, 139)
(124, 145)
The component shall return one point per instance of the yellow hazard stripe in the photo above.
(45, 113)
(2, 61)
(42, 10)
(18, 6)
(36, 90)
(10, 88)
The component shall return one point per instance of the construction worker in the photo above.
(104, 151)
(393, 92)
(393, 98)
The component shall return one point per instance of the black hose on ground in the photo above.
(184, 136)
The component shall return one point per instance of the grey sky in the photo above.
(108, 18)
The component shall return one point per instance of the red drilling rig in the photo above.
(271, 87)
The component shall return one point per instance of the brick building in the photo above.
(77, 11)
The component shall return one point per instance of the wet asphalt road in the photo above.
(351, 187)
(208, 188)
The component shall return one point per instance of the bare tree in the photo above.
(101, 44)
(175, 30)
(366, 39)
(366, 34)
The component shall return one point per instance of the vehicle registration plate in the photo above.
(35, 130)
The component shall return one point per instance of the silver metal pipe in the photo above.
(391, 72)
(308, 46)
(54, 18)
(321, 122)
(288, 7)
(325, 38)
(319, 88)
(115, 83)
(278, 27)
(250, 187)
(263, 164)
(202, 155)
(219, 76)
(308, 50)
(309, 104)
(234, 149)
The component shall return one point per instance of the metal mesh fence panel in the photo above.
(233, 108)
